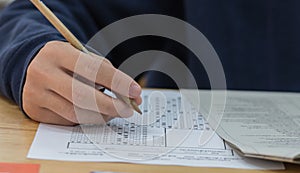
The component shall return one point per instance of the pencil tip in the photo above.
(139, 111)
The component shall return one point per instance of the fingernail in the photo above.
(134, 90)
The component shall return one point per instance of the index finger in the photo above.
(98, 70)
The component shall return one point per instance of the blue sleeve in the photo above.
(24, 31)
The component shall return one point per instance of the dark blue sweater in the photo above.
(258, 41)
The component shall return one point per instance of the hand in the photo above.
(52, 95)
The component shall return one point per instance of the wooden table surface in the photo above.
(17, 133)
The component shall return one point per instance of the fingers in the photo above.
(50, 117)
(32, 91)
(52, 95)
(97, 69)
(86, 97)
(44, 115)
(57, 110)
(64, 108)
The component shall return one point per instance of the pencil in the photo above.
(75, 42)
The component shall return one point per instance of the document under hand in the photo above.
(166, 134)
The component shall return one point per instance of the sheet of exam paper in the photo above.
(263, 123)
(166, 134)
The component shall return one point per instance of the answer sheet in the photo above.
(166, 134)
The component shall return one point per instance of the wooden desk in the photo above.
(17, 133)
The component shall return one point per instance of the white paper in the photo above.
(263, 124)
(166, 134)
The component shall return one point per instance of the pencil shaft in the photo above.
(58, 25)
